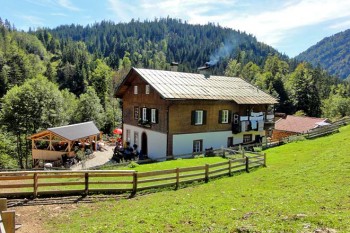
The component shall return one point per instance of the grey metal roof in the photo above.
(178, 85)
(76, 131)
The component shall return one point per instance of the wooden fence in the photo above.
(41, 183)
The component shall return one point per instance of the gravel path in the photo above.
(100, 158)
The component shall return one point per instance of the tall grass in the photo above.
(306, 186)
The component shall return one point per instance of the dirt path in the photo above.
(100, 158)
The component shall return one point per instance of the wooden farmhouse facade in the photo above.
(170, 113)
(52, 143)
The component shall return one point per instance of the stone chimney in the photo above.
(174, 66)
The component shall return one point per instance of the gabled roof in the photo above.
(298, 124)
(179, 85)
(73, 132)
(76, 131)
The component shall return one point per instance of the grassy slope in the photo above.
(304, 187)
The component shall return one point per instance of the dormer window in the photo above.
(135, 90)
(147, 89)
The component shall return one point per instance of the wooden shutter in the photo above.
(204, 117)
(229, 116)
(193, 117)
(220, 117)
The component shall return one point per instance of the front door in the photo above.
(144, 148)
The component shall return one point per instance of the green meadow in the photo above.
(305, 187)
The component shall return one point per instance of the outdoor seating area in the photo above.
(123, 154)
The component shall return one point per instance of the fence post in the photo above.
(247, 164)
(264, 160)
(86, 191)
(134, 183)
(35, 185)
(229, 167)
(8, 218)
(177, 178)
(206, 173)
(3, 204)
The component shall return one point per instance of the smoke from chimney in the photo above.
(223, 51)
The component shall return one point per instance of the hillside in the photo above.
(167, 40)
(332, 53)
(303, 189)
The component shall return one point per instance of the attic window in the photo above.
(135, 90)
(147, 89)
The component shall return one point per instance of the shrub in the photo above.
(133, 164)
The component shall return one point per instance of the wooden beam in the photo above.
(3, 204)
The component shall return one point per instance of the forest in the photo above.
(331, 53)
(66, 75)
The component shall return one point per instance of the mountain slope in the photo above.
(166, 40)
(332, 53)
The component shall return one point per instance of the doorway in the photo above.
(144, 148)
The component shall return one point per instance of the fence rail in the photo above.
(39, 183)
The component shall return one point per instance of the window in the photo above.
(198, 117)
(224, 116)
(154, 115)
(197, 146)
(247, 138)
(135, 90)
(144, 114)
(136, 112)
(136, 138)
(147, 89)
(128, 135)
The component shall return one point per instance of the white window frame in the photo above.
(128, 135)
(197, 144)
(136, 137)
(153, 115)
(147, 89)
(198, 117)
(224, 117)
(136, 90)
(136, 112)
(144, 114)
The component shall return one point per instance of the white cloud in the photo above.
(59, 14)
(68, 5)
(33, 20)
(272, 26)
(124, 11)
(340, 25)
(272, 22)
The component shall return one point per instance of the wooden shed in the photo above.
(52, 143)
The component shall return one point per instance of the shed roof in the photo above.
(298, 124)
(179, 85)
(76, 131)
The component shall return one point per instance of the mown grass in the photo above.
(304, 187)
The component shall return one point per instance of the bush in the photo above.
(133, 164)
(6, 162)
(257, 149)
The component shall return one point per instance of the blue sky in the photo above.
(290, 26)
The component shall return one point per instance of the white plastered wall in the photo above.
(156, 142)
